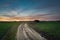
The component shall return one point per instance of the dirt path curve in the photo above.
(27, 33)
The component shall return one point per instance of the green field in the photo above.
(8, 29)
(50, 27)
(46, 28)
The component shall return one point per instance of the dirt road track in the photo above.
(27, 33)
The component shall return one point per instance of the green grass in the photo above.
(50, 27)
(8, 26)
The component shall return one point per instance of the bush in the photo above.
(36, 21)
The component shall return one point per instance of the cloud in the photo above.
(10, 14)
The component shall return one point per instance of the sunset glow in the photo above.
(19, 18)
(28, 10)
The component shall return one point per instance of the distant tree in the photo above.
(36, 21)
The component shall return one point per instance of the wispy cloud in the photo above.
(30, 9)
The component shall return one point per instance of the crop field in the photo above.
(48, 28)
(8, 30)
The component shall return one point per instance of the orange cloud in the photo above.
(27, 18)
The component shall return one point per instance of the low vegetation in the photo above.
(47, 28)
(8, 29)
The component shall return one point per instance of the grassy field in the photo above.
(46, 28)
(8, 29)
(50, 27)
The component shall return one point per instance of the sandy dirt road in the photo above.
(25, 32)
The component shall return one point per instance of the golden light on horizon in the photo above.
(2, 18)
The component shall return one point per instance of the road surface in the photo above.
(25, 32)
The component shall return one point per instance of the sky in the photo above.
(48, 10)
